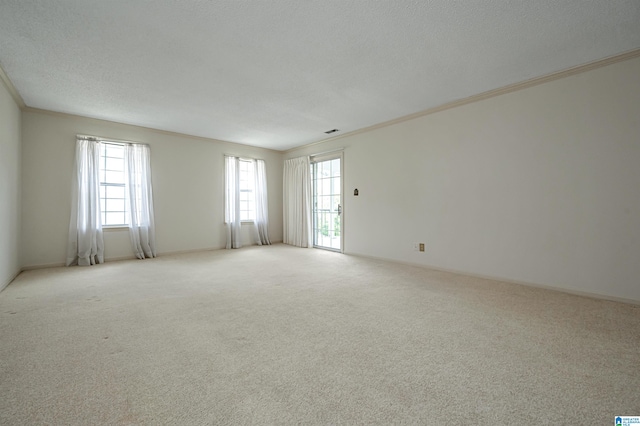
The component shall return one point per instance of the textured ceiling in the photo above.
(279, 73)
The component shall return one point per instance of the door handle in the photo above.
(339, 209)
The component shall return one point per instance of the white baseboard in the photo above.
(504, 280)
(419, 265)
(42, 266)
(4, 284)
(177, 252)
(129, 257)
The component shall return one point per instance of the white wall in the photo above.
(10, 151)
(540, 186)
(188, 183)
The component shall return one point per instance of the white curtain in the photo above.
(139, 198)
(86, 245)
(297, 202)
(261, 221)
(232, 202)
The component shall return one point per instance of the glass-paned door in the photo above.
(327, 204)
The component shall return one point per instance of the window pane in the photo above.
(335, 201)
(323, 224)
(247, 196)
(336, 226)
(326, 187)
(323, 170)
(115, 204)
(112, 200)
(114, 192)
(116, 164)
(114, 177)
(336, 186)
(114, 218)
(335, 167)
(326, 202)
(116, 151)
(246, 184)
(333, 221)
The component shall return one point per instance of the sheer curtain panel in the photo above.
(139, 199)
(297, 202)
(261, 221)
(85, 246)
(232, 201)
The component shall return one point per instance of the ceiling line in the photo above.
(11, 88)
(578, 69)
(460, 102)
(163, 132)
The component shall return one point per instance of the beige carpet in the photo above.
(280, 335)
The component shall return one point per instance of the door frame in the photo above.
(326, 156)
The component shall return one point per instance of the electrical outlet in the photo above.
(421, 246)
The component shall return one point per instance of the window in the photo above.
(247, 191)
(245, 199)
(112, 185)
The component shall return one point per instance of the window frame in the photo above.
(105, 184)
(250, 179)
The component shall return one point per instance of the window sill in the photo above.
(115, 228)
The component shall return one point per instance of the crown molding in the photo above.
(11, 88)
(486, 95)
(449, 105)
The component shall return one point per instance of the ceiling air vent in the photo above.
(331, 131)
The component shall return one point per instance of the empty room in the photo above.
(337, 212)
